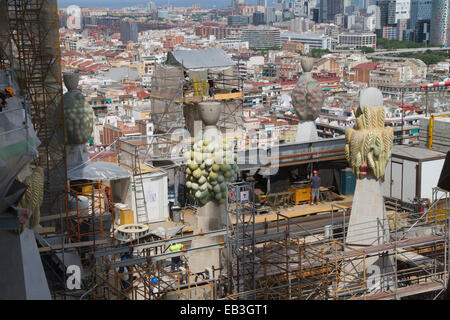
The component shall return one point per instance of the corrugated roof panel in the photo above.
(207, 58)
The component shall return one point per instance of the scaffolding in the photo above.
(34, 31)
(30, 47)
(174, 98)
(298, 263)
(283, 259)
(91, 215)
(241, 237)
(129, 273)
(139, 155)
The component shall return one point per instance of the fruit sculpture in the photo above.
(210, 166)
(77, 112)
(307, 96)
(368, 145)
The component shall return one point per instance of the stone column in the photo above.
(368, 149)
(211, 216)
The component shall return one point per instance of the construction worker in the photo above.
(176, 261)
(155, 290)
(124, 271)
(7, 93)
(211, 87)
(315, 188)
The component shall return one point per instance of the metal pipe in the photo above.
(298, 155)
(163, 256)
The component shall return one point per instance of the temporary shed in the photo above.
(155, 190)
(412, 172)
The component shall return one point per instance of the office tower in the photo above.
(422, 31)
(387, 12)
(262, 38)
(258, 18)
(315, 14)
(420, 10)
(439, 29)
(330, 8)
(128, 31)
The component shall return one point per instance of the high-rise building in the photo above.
(128, 31)
(439, 29)
(238, 21)
(402, 10)
(387, 12)
(402, 26)
(262, 38)
(269, 15)
(315, 14)
(262, 3)
(330, 8)
(422, 31)
(301, 8)
(420, 10)
(258, 18)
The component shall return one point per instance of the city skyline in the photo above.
(117, 4)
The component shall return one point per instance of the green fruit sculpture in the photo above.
(78, 115)
(219, 168)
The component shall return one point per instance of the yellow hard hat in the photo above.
(10, 91)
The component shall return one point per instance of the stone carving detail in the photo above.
(78, 115)
(307, 96)
(368, 145)
(211, 162)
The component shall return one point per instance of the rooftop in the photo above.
(416, 153)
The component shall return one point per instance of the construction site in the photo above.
(241, 224)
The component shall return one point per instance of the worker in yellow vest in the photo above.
(176, 261)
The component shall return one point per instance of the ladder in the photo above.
(129, 159)
(139, 194)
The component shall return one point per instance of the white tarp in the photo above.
(18, 142)
(96, 171)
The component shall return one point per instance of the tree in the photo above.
(366, 50)
(318, 53)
